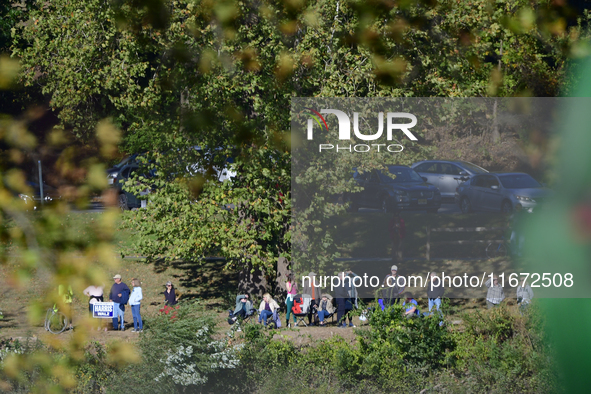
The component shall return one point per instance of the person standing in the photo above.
(314, 292)
(96, 295)
(353, 294)
(397, 230)
(434, 292)
(68, 296)
(292, 290)
(170, 296)
(119, 295)
(524, 296)
(495, 294)
(391, 287)
(135, 301)
(344, 305)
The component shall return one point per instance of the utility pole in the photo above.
(40, 182)
(496, 135)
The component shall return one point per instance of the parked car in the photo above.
(447, 175)
(218, 172)
(182, 163)
(33, 200)
(401, 189)
(500, 192)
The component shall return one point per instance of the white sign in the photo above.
(103, 310)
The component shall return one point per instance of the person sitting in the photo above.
(411, 306)
(325, 308)
(267, 308)
(243, 307)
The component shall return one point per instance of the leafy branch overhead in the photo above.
(220, 75)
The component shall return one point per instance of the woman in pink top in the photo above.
(292, 290)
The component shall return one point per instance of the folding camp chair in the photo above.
(241, 320)
(330, 316)
(274, 320)
(301, 307)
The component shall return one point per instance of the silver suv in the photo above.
(447, 175)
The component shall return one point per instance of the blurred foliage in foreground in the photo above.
(561, 239)
(220, 74)
(41, 245)
(174, 74)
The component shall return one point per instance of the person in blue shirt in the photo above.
(119, 296)
(135, 302)
(411, 307)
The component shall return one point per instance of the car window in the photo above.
(125, 173)
(519, 181)
(473, 168)
(492, 181)
(401, 174)
(479, 181)
(427, 167)
(449, 169)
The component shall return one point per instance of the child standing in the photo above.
(134, 302)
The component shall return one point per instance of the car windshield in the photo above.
(401, 174)
(519, 181)
(474, 168)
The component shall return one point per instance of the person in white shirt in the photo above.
(524, 296)
(96, 295)
(134, 301)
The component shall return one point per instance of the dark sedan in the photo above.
(401, 189)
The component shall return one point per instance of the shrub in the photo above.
(420, 342)
(178, 353)
(95, 371)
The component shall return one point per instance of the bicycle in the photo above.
(55, 321)
(498, 249)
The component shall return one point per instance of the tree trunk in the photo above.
(253, 283)
(496, 135)
(283, 269)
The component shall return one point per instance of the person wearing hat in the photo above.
(119, 295)
(391, 288)
(170, 296)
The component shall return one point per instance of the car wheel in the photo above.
(123, 202)
(465, 205)
(506, 207)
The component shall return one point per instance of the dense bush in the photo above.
(491, 351)
(179, 353)
(96, 371)
(420, 342)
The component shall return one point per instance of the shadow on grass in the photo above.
(207, 279)
(367, 234)
(9, 321)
